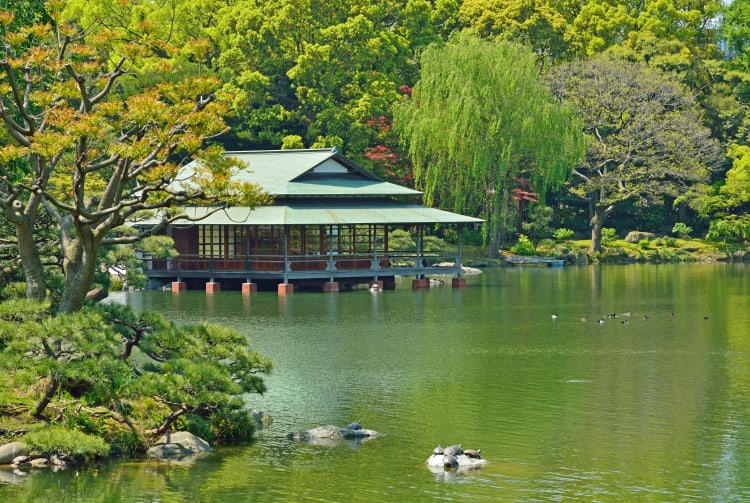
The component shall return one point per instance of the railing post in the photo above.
(459, 260)
(330, 265)
(286, 254)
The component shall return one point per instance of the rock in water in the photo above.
(453, 450)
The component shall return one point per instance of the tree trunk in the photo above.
(596, 235)
(49, 392)
(161, 430)
(494, 243)
(79, 267)
(36, 287)
(600, 215)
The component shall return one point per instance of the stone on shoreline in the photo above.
(177, 445)
(10, 451)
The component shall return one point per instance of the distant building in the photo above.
(327, 228)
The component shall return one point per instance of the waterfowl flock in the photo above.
(627, 315)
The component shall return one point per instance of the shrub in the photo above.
(682, 230)
(645, 244)
(562, 234)
(609, 236)
(232, 425)
(117, 284)
(401, 240)
(524, 246)
(433, 243)
(58, 440)
(126, 442)
(198, 426)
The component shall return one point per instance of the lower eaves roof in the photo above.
(328, 212)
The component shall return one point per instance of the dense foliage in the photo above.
(309, 73)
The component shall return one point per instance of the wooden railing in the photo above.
(299, 263)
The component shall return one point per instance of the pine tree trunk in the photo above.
(36, 287)
(49, 392)
(79, 267)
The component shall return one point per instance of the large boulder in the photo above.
(638, 236)
(10, 451)
(331, 435)
(438, 462)
(177, 445)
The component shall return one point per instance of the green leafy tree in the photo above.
(728, 205)
(538, 23)
(601, 24)
(322, 71)
(481, 119)
(183, 31)
(24, 12)
(735, 30)
(646, 141)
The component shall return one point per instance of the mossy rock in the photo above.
(638, 236)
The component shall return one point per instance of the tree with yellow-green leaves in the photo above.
(74, 146)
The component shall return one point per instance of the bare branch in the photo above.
(116, 73)
(81, 81)
(22, 110)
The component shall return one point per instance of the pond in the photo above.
(654, 406)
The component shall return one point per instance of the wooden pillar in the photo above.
(178, 286)
(287, 268)
(458, 282)
(248, 287)
(285, 289)
(331, 286)
(420, 284)
(213, 286)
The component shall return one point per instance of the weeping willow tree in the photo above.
(480, 125)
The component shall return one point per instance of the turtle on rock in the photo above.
(473, 454)
(453, 450)
(450, 461)
(356, 425)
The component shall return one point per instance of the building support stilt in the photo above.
(331, 286)
(420, 284)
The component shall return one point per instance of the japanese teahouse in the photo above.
(327, 228)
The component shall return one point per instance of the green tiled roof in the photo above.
(318, 187)
(329, 212)
(292, 173)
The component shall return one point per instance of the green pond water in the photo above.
(655, 409)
